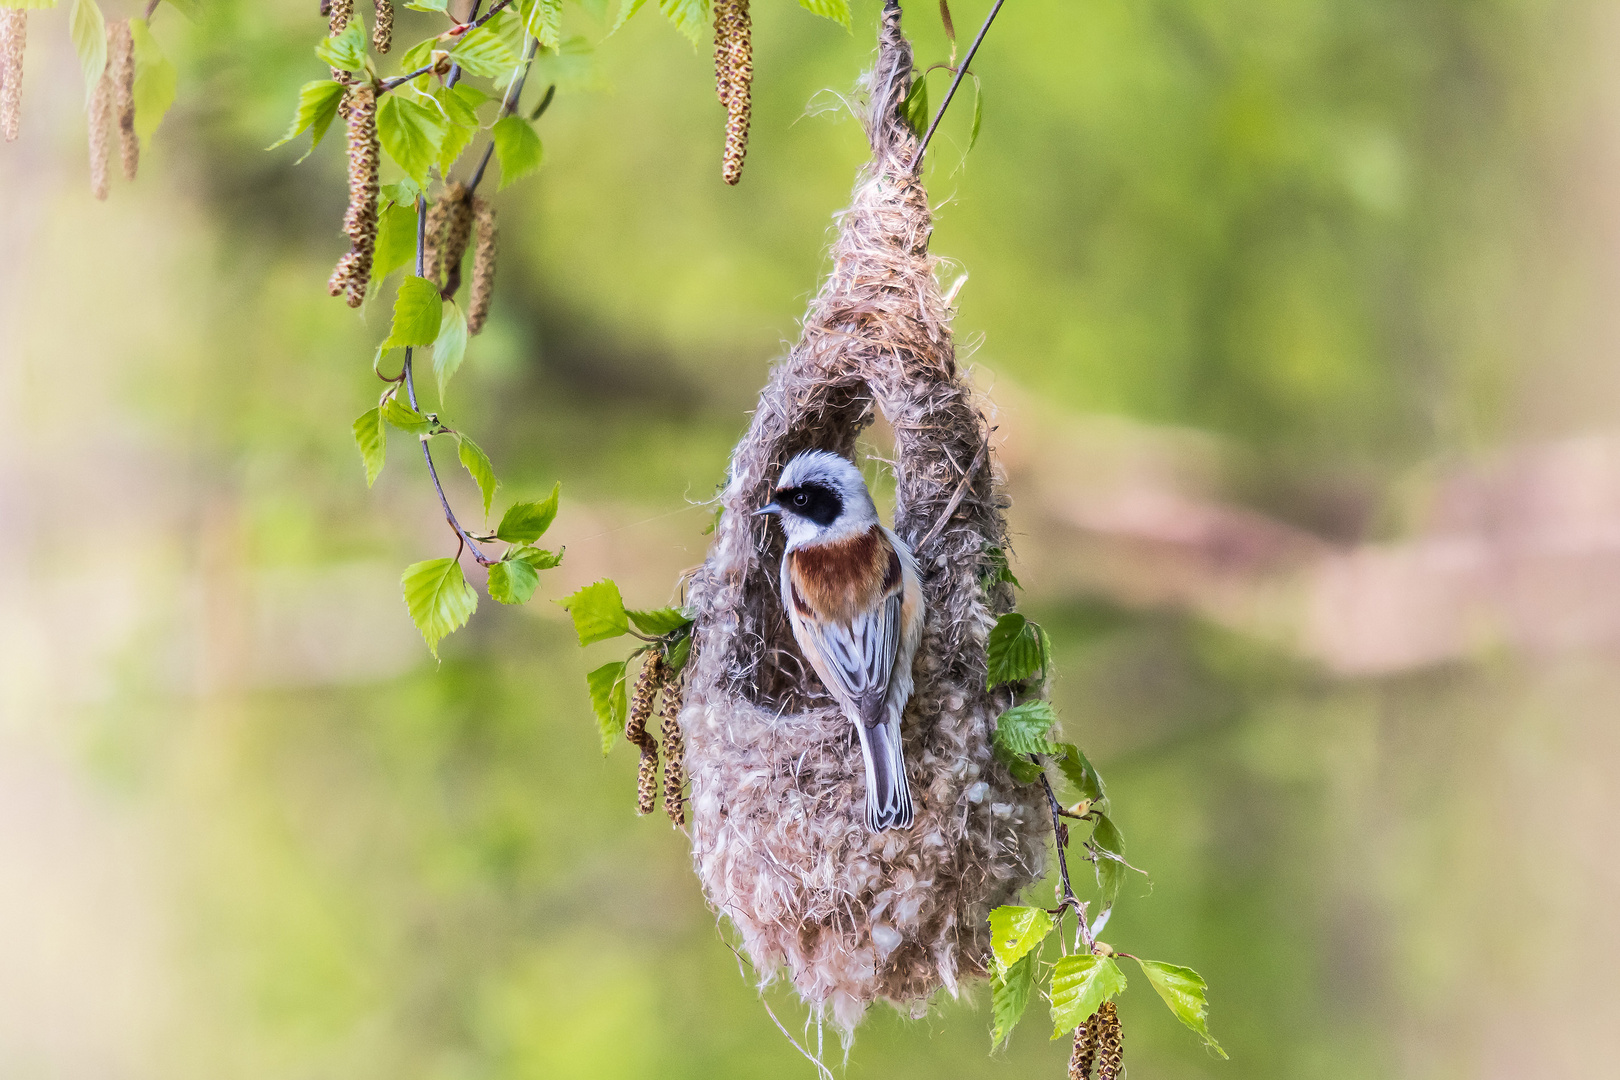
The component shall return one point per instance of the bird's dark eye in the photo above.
(800, 499)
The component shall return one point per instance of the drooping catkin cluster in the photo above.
(1110, 1043)
(1085, 1050)
(483, 275)
(100, 115)
(734, 80)
(448, 228)
(656, 678)
(382, 34)
(339, 12)
(674, 751)
(13, 40)
(121, 61)
(353, 272)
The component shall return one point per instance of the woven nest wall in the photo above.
(778, 824)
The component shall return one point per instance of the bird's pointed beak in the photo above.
(769, 508)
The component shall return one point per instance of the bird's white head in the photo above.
(821, 497)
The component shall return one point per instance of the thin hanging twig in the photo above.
(961, 71)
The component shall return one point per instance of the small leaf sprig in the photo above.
(599, 614)
(1084, 977)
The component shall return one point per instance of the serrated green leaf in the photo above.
(439, 599)
(836, 10)
(155, 80)
(687, 16)
(481, 52)
(417, 310)
(461, 122)
(372, 439)
(396, 241)
(996, 570)
(526, 522)
(450, 347)
(1016, 931)
(1111, 865)
(915, 107)
(88, 29)
(476, 462)
(679, 654)
(627, 8)
(401, 192)
(1023, 770)
(417, 56)
(598, 612)
(659, 622)
(1013, 651)
(407, 419)
(345, 50)
(1186, 993)
(539, 558)
(1080, 773)
(517, 147)
(1022, 729)
(512, 581)
(317, 106)
(608, 701)
(1010, 992)
(542, 19)
(411, 133)
(1080, 984)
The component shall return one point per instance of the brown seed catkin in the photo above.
(13, 41)
(353, 271)
(635, 729)
(339, 13)
(734, 80)
(121, 60)
(674, 751)
(382, 34)
(483, 275)
(1085, 1050)
(449, 224)
(100, 115)
(1110, 1042)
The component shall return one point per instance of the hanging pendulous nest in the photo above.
(779, 834)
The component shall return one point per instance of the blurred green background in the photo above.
(1299, 317)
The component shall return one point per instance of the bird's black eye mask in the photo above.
(812, 501)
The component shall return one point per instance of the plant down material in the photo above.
(483, 277)
(734, 80)
(13, 41)
(779, 837)
(353, 272)
(121, 63)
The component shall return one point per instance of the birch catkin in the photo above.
(734, 80)
(483, 276)
(353, 271)
(1085, 1050)
(382, 34)
(121, 60)
(1110, 1042)
(340, 12)
(674, 751)
(100, 115)
(635, 729)
(13, 39)
(449, 224)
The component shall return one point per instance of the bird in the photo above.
(855, 604)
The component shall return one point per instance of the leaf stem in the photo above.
(916, 159)
(508, 107)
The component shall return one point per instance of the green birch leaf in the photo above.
(627, 8)
(1010, 992)
(396, 241)
(461, 120)
(996, 570)
(417, 310)
(481, 52)
(687, 16)
(428, 5)
(450, 347)
(836, 10)
(1013, 651)
(1109, 844)
(915, 107)
(317, 106)
(1022, 729)
(608, 702)
(401, 192)
(659, 622)
(543, 20)
(155, 80)
(526, 522)
(411, 133)
(679, 654)
(598, 612)
(539, 558)
(407, 419)
(88, 29)
(372, 439)
(439, 599)
(1080, 984)
(1016, 931)
(478, 467)
(517, 148)
(1023, 770)
(1186, 993)
(512, 581)
(1080, 773)
(346, 50)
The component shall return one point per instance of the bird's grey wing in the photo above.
(860, 656)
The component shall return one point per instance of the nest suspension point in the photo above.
(779, 838)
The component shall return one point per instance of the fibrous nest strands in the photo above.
(777, 786)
